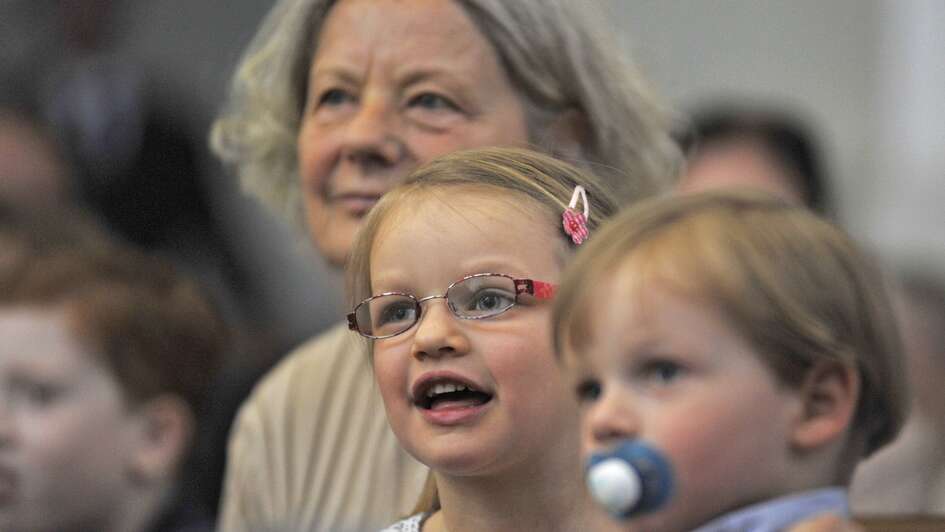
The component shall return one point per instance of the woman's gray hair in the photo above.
(556, 52)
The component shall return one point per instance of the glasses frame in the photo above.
(537, 289)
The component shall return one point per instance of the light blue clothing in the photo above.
(781, 513)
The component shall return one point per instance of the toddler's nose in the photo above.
(611, 418)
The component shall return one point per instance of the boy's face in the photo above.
(670, 371)
(64, 428)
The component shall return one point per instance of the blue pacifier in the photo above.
(629, 479)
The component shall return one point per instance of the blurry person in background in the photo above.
(106, 357)
(755, 147)
(908, 477)
(33, 172)
(332, 105)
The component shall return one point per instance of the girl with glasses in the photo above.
(451, 281)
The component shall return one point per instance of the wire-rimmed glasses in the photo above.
(474, 297)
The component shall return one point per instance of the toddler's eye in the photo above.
(662, 371)
(588, 391)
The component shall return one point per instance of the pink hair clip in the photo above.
(575, 223)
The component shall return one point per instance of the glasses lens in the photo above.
(386, 315)
(482, 296)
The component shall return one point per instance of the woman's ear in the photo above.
(567, 135)
(164, 429)
(830, 393)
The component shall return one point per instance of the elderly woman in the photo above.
(334, 103)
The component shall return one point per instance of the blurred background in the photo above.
(865, 76)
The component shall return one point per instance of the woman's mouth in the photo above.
(356, 204)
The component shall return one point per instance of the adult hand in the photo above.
(827, 523)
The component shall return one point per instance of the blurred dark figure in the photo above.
(106, 358)
(136, 163)
(91, 132)
(763, 148)
(908, 476)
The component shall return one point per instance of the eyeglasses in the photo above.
(474, 297)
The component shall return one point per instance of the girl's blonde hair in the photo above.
(795, 286)
(556, 53)
(535, 182)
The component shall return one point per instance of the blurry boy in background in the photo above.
(104, 363)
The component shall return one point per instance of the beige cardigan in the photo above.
(311, 448)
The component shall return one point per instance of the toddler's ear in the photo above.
(163, 436)
(830, 393)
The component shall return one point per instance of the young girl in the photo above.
(745, 340)
(451, 278)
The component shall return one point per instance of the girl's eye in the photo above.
(433, 102)
(491, 300)
(334, 97)
(588, 391)
(396, 312)
(662, 372)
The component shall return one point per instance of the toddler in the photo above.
(746, 342)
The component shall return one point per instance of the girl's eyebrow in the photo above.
(390, 282)
(494, 265)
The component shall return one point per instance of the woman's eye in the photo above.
(588, 391)
(333, 97)
(433, 102)
(492, 300)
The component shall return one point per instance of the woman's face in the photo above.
(393, 84)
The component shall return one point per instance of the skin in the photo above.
(57, 403)
(698, 397)
(393, 84)
(739, 163)
(31, 172)
(507, 465)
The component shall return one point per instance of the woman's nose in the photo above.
(371, 137)
(438, 333)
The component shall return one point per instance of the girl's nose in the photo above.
(438, 333)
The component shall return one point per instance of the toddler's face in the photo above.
(520, 410)
(669, 370)
(63, 427)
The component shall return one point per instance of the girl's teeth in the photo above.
(445, 388)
